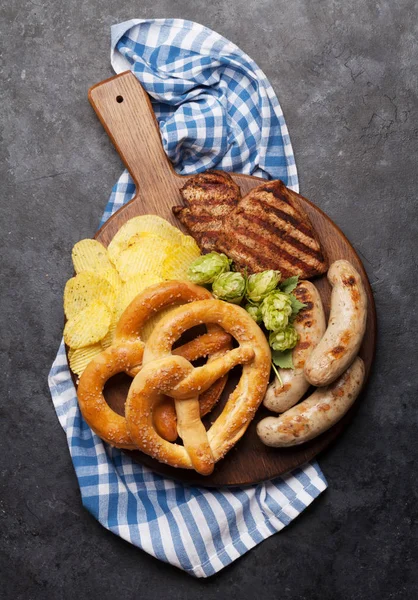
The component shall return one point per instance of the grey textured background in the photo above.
(346, 76)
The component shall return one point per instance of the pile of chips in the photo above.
(146, 250)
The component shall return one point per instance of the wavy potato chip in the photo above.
(146, 256)
(112, 276)
(128, 291)
(83, 289)
(177, 262)
(110, 335)
(88, 326)
(90, 255)
(137, 228)
(150, 325)
(131, 288)
(80, 358)
(139, 237)
(188, 241)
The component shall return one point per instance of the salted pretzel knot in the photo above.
(165, 373)
(126, 354)
(213, 344)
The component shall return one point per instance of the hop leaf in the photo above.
(296, 305)
(289, 284)
(284, 359)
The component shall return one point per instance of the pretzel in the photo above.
(126, 354)
(213, 344)
(173, 375)
(151, 302)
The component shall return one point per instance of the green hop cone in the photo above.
(229, 287)
(285, 339)
(206, 268)
(276, 310)
(261, 284)
(254, 311)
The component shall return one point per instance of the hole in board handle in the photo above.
(119, 99)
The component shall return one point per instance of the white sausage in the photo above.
(310, 325)
(316, 414)
(346, 326)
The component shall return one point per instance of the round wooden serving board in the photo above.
(126, 113)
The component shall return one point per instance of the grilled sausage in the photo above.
(316, 414)
(346, 326)
(310, 325)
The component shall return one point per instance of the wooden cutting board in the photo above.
(126, 113)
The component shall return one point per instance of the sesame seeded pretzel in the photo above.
(165, 373)
(126, 354)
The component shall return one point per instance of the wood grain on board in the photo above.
(126, 113)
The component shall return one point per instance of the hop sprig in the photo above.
(276, 310)
(230, 287)
(284, 339)
(205, 269)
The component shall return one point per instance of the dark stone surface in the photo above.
(345, 74)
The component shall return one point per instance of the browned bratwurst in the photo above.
(310, 325)
(347, 324)
(316, 414)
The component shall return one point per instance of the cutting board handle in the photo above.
(126, 113)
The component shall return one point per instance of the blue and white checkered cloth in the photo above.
(215, 108)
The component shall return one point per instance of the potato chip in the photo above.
(88, 326)
(90, 255)
(110, 335)
(112, 276)
(177, 262)
(151, 224)
(150, 325)
(138, 237)
(80, 358)
(188, 241)
(131, 288)
(83, 289)
(146, 256)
